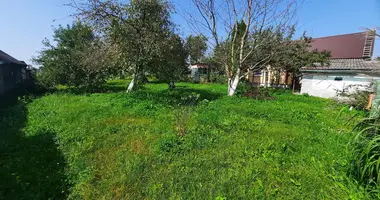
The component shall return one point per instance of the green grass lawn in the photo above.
(117, 145)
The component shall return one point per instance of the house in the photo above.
(200, 71)
(13, 74)
(350, 65)
(268, 78)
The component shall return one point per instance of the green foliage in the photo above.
(172, 65)
(258, 93)
(227, 52)
(295, 54)
(196, 47)
(140, 36)
(358, 95)
(219, 78)
(183, 114)
(366, 156)
(70, 60)
(121, 145)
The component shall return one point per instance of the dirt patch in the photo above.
(139, 146)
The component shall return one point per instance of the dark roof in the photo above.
(5, 58)
(347, 64)
(342, 46)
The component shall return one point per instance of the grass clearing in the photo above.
(125, 146)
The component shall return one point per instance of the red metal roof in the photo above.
(342, 46)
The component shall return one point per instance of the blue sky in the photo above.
(25, 23)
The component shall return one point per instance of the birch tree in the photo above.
(242, 28)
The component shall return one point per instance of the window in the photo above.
(338, 78)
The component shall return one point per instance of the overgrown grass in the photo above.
(366, 151)
(117, 145)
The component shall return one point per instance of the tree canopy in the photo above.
(66, 60)
(135, 38)
(196, 46)
(138, 39)
(295, 54)
(242, 30)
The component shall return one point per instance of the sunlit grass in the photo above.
(119, 145)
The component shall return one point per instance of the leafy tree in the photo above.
(258, 58)
(211, 60)
(378, 58)
(139, 31)
(66, 61)
(172, 64)
(292, 55)
(249, 26)
(196, 46)
(295, 54)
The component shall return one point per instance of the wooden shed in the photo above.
(13, 74)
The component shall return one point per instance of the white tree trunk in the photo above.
(132, 84)
(232, 84)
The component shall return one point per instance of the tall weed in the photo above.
(366, 148)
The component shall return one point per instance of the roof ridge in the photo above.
(6, 58)
(339, 35)
(346, 59)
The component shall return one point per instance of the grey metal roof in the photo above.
(347, 64)
(5, 58)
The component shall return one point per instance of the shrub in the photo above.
(256, 92)
(219, 78)
(204, 79)
(355, 95)
(79, 58)
(189, 99)
(183, 113)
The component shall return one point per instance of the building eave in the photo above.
(348, 72)
(336, 71)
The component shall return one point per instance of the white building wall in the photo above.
(326, 86)
(194, 73)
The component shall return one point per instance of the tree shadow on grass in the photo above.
(31, 167)
(106, 88)
(176, 96)
(163, 96)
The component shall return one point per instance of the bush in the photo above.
(79, 59)
(204, 79)
(355, 95)
(220, 78)
(256, 92)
